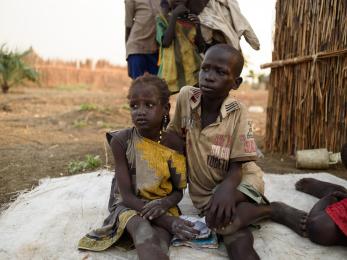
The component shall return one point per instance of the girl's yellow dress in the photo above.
(150, 165)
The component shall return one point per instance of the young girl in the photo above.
(150, 176)
(180, 41)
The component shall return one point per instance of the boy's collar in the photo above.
(230, 104)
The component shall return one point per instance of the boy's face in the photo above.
(217, 74)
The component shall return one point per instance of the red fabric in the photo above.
(338, 213)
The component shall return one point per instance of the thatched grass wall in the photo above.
(307, 105)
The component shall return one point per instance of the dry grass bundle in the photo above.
(307, 105)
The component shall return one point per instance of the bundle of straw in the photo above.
(307, 105)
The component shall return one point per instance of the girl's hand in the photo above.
(183, 229)
(155, 209)
(194, 19)
(180, 10)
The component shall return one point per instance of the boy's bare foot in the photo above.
(317, 188)
(291, 217)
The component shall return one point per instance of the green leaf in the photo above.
(13, 69)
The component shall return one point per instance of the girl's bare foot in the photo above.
(317, 188)
(291, 217)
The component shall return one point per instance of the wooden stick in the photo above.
(297, 60)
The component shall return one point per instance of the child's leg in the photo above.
(240, 245)
(248, 213)
(317, 188)
(165, 238)
(149, 242)
(321, 229)
(291, 217)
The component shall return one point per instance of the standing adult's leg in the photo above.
(136, 65)
(152, 63)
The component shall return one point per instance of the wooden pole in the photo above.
(297, 60)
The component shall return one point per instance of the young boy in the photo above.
(326, 223)
(224, 183)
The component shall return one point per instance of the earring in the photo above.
(165, 121)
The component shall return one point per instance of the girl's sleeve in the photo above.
(119, 138)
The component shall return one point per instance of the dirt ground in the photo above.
(43, 129)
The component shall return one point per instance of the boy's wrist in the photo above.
(231, 183)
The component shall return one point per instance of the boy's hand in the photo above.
(221, 208)
(180, 10)
(194, 19)
(155, 209)
(183, 229)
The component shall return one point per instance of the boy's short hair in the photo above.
(344, 154)
(236, 55)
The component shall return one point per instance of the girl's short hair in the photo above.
(160, 84)
(344, 154)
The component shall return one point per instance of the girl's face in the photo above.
(146, 109)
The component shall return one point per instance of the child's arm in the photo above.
(159, 207)
(123, 177)
(169, 34)
(199, 40)
(221, 208)
(165, 8)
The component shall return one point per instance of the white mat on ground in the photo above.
(47, 222)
